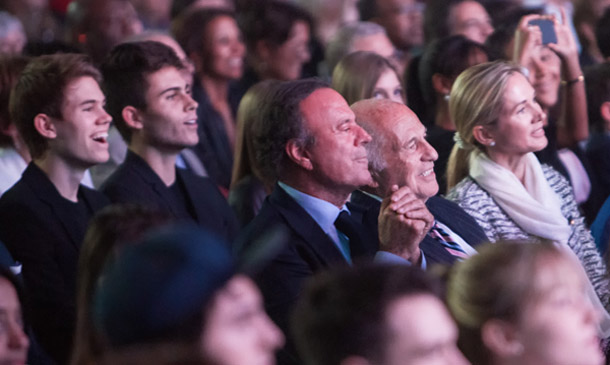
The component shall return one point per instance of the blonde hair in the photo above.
(356, 75)
(477, 97)
(498, 283)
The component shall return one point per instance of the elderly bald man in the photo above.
(400, 157)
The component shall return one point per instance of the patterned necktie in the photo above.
(445, 239)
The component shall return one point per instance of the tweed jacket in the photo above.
(498, 225)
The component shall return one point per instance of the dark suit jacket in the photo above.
(444, 211)
(43, 237)
(305, 250)
(135, 182)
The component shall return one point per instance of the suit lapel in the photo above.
(140, 167)
(305, 226)
(457, 220)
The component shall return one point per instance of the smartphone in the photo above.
(547, 27)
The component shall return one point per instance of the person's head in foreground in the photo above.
(176, 298)
(13, 341)
(382, 315)
(523, 303)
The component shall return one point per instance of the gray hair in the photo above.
(377, 162)
(341, 44)
(8, 24)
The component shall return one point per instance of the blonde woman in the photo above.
(523, 304)
(495, 177)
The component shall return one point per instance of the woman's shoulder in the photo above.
(465, 190)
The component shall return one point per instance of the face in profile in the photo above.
(237, 329)
(388, 87)
(286, 60)
(81, 135)
(170, 118)
(421, 332)
(13, 341)
(519, 128)
(559, 325)
(409, 157)
(338, 155)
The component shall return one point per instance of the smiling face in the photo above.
(470, 19)
(169, 122)
(237, 329)
(226, 49)
(337, 158)
(388, 87)
(421, 332)
(545, 75)
(13, 341)
(562, 295)
(80, 135)
(519, 129)
(409, 157)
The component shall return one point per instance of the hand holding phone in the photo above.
(547, 27)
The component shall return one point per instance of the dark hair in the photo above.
(448, 57)
(343, 312)
(270, 21)
(41, 89)
(436, 18)
(504, 32)
(10, 69)
(597, 85)
(125, 73)
(368, 9)
(602, 33)
(282, 121)
(109, 231)
(190, 29)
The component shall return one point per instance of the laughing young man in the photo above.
(152, 106)
(58, 108)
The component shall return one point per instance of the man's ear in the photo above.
(298, 154)
(441, 84)
(604, 111)
(132, 117)
(482, 135)
(501, 338)
(45, 125)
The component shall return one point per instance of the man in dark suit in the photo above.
(58, 108)
(150, 101)
(400, 156)
(309, 142)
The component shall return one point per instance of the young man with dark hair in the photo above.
(58, 108)
(154, 112)
(382, 315)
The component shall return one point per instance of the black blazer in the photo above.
(444, 211)
(135, 182)
(42, 235)
(304, 250)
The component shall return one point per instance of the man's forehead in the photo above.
(325, 104)
(80, 89)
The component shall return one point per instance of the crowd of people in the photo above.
(317, 182)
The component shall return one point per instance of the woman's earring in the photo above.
(446, 97)
(492, 143)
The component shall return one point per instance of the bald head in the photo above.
(398, 153)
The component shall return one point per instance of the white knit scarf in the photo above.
(533, 204)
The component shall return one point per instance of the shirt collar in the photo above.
(323, 212)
